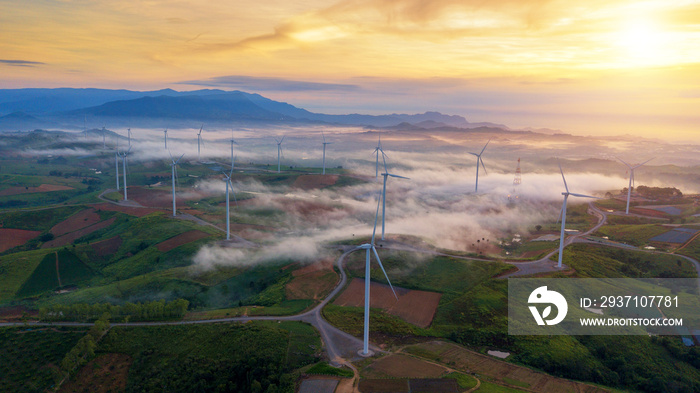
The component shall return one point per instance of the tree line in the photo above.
(148, 311)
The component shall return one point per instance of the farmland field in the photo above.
(11, 238)
(180, 239)
(77, 221)
(402, 366)
(234, 355)
(29, 357)
(106, 373)
(503, 372)
(62, 265)
(416, 307)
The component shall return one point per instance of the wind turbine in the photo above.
(116, 166)
(279, 151)
(479, 161)
(629, 188)
(174, 176)
(324, 151)
(228, 182)
(128, 136)
(126, 153)
(166, 139)
(199, 142)
(563, 214)
(370, 247)
(378, 150)
(104, 142)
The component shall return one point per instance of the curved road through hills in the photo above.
(341, 347)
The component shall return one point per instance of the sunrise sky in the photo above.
(586, 67)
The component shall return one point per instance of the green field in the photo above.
(636, 235)
(600, 261)
(45, 277)
(238, 357)
(29, 357)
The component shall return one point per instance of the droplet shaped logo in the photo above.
(542, 296)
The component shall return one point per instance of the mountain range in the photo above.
(27, 108)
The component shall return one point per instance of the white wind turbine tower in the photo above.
(563, 214)
(128, 136)
(324, 151)
(378, 150)
(165, 133)
(279, 151)
(370, 247)
(174, 176)
(227, 179)
(479, 161)
(386, 175)
(199, 143)
(629, 188)
(116, 166)
(126, 153)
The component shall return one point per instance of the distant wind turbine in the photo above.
(128, 136)
(631, 184)
(199, 142)
(324, 151)
(378, 150)
(174, 176)
(563, 214)
(479, 161)
(279, 151)
(116, 166)
(370, 247)
(126, 153)
(165, 133)
(104, 142)
(227, 179)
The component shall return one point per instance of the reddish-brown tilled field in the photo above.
(79, 220)
(416, 307)
(10, 238)
(181, 239)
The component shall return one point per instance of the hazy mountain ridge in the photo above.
(66, 104)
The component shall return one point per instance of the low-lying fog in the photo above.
(437, 203)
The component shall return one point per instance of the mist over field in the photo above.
(437, 203)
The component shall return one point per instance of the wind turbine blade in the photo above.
(583, 196)
(482, 150)
(178, 160)
(482, 165)
(376, 217)
(376, 255)
(562, 176)
(200, 129)
(638, 165)
(621, 160)
(324, 137)
(171, 155)
(400, 177)
(282, 140)
(474, 154)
